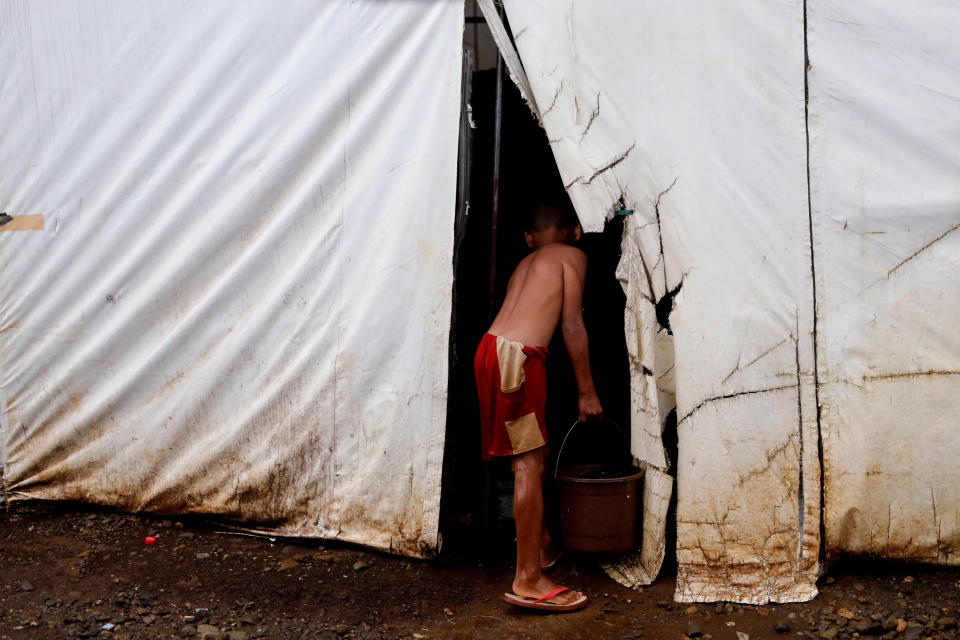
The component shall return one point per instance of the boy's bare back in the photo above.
(542, 285)
(547, 288)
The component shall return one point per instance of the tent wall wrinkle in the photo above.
(239, 303)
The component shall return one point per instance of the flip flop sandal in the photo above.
(542, 604)
(552, 564)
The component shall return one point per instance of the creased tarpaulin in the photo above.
(692, 115)
(885, 195)
(240, 302)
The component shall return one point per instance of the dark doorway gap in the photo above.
(528, 177)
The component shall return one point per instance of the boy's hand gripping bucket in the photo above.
(599, 503)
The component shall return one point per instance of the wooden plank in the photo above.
(24, 223)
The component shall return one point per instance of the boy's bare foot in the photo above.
(541, 586)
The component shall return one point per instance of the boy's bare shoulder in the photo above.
(568, 254)
(564, 252)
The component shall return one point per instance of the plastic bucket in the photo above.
(598, 514)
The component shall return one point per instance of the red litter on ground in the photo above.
(149, 540)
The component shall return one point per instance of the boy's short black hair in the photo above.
(551, 216)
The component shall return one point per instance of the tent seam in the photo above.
(813, 274)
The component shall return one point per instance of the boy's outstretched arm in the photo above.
(575, 334)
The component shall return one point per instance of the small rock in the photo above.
(203, 555)
(828, 634)
(26, 585)
(288, 563)
(829, 580)
(188, 631)
(890, 624)
(782, 626)
(50, 602)
(208, 631)
(845, 613)
(89, 632)
(166, 524)
(913, 632)
(360, 565)
(148, 619)
(869, 628)
(901, 625)
(691, 610)
(858, 586)
(186, 535)
(237, 635)
(943, 621)
(447, 611)
(693, 630)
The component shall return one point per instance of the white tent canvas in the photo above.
(815, 255)
(239, 300)
(885, 197)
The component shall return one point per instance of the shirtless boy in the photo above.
(545, 288)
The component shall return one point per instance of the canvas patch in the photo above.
(524, 433)
(510, 357)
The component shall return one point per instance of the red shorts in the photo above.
(512, 387)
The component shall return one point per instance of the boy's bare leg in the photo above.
(548, 552)
(528, 514)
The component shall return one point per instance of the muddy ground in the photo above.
(72, 573)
